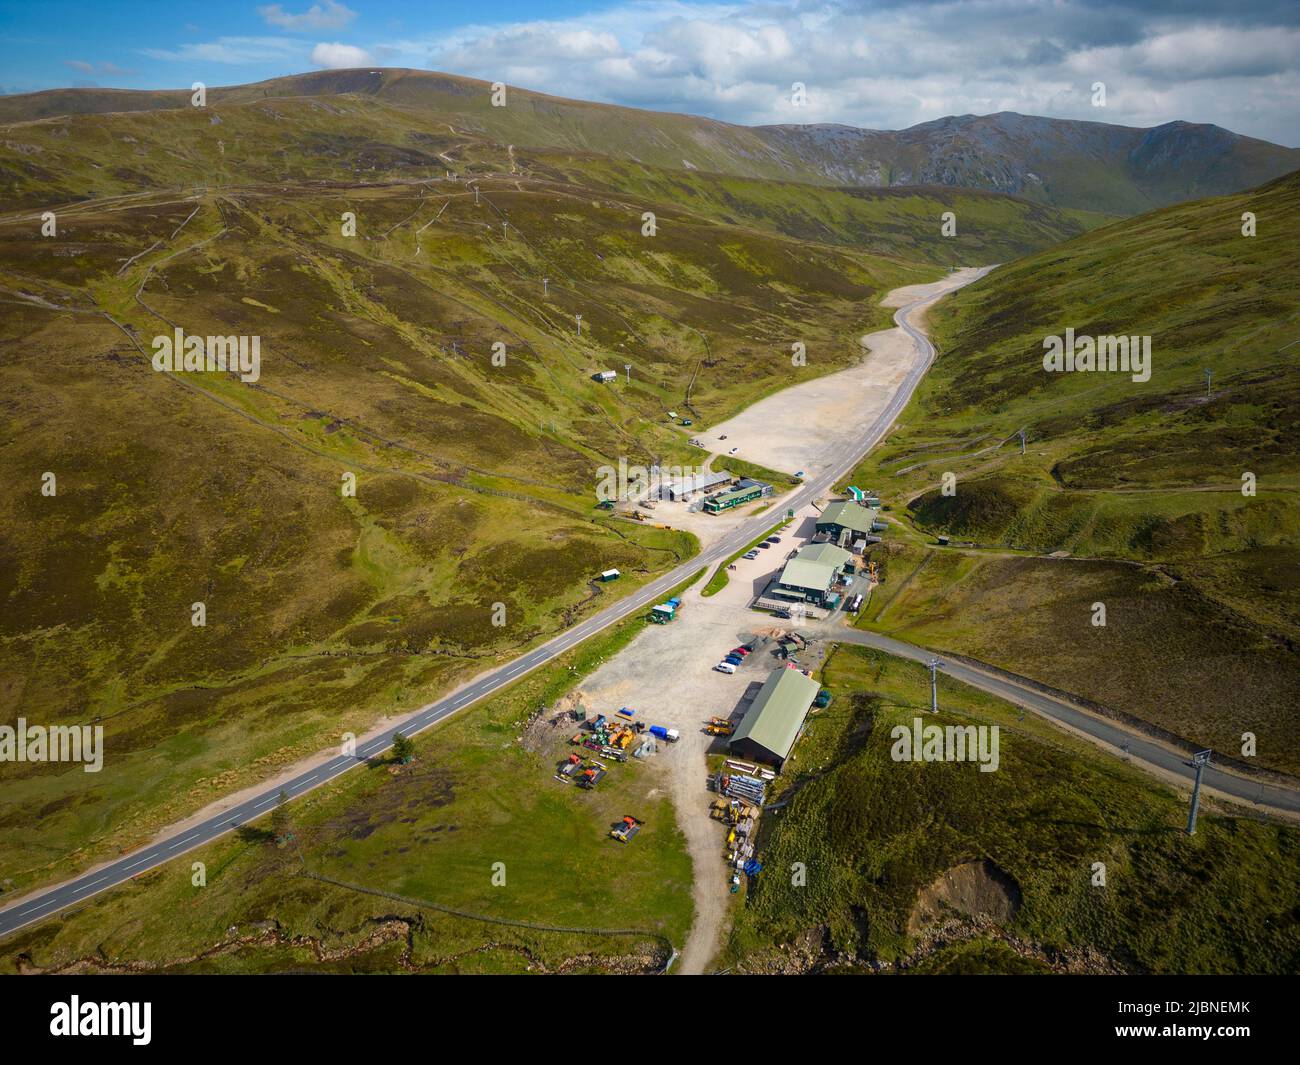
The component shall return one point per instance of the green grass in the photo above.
(872, 833)
(473, 797)
(1139, 482)
(474, 481)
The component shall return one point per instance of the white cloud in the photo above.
(236, 51)
(875, 63)
(890, 65)
(340, 56)
(327, 16)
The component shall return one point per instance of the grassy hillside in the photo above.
(875, 835)
(1139, 482)
(1091, 166)
(432, 831)
(474, 481)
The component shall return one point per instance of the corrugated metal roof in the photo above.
(731, 493)
(848, 514)
(814, 567)
(696, 483)
(778, 710)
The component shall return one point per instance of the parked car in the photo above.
(734, 660)
(742, 651)
(750, 554)
(765, 545)
(733, 451)
(725, 667)
(774, 539)
(784, 615)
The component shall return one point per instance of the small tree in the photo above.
(403, 749)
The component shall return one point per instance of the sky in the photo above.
(883, 64)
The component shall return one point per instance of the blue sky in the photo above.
(876, 63)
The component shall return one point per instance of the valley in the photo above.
(261, 586)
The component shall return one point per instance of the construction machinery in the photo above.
(590, 775)
(626, 829)
(719, 726)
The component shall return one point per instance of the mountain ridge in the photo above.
(1074, 163)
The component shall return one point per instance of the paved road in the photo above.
(40, 905)
(1145, 752)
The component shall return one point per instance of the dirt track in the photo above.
(666, 673)
(805, 427)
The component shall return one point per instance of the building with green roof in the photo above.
(772, 723)
(845, 515)
(733, 497)
(808, 577)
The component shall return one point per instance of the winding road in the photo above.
(42, 903)
(1148, 753)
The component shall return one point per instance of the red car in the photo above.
(742, 651)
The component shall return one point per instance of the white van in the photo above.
(725, 667)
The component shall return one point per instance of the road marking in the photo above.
(620, 610)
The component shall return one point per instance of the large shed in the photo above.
(845, 515)
(774, 718)
(811, 573)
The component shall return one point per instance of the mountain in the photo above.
(475, 479)
(1174, 505)
(1089, 166)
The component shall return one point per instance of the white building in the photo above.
(683, 489)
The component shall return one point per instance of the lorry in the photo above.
(669, 734)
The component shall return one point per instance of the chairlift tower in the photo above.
(934, 664)
(578, 318)
(1209, 376)
(1199, 761)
